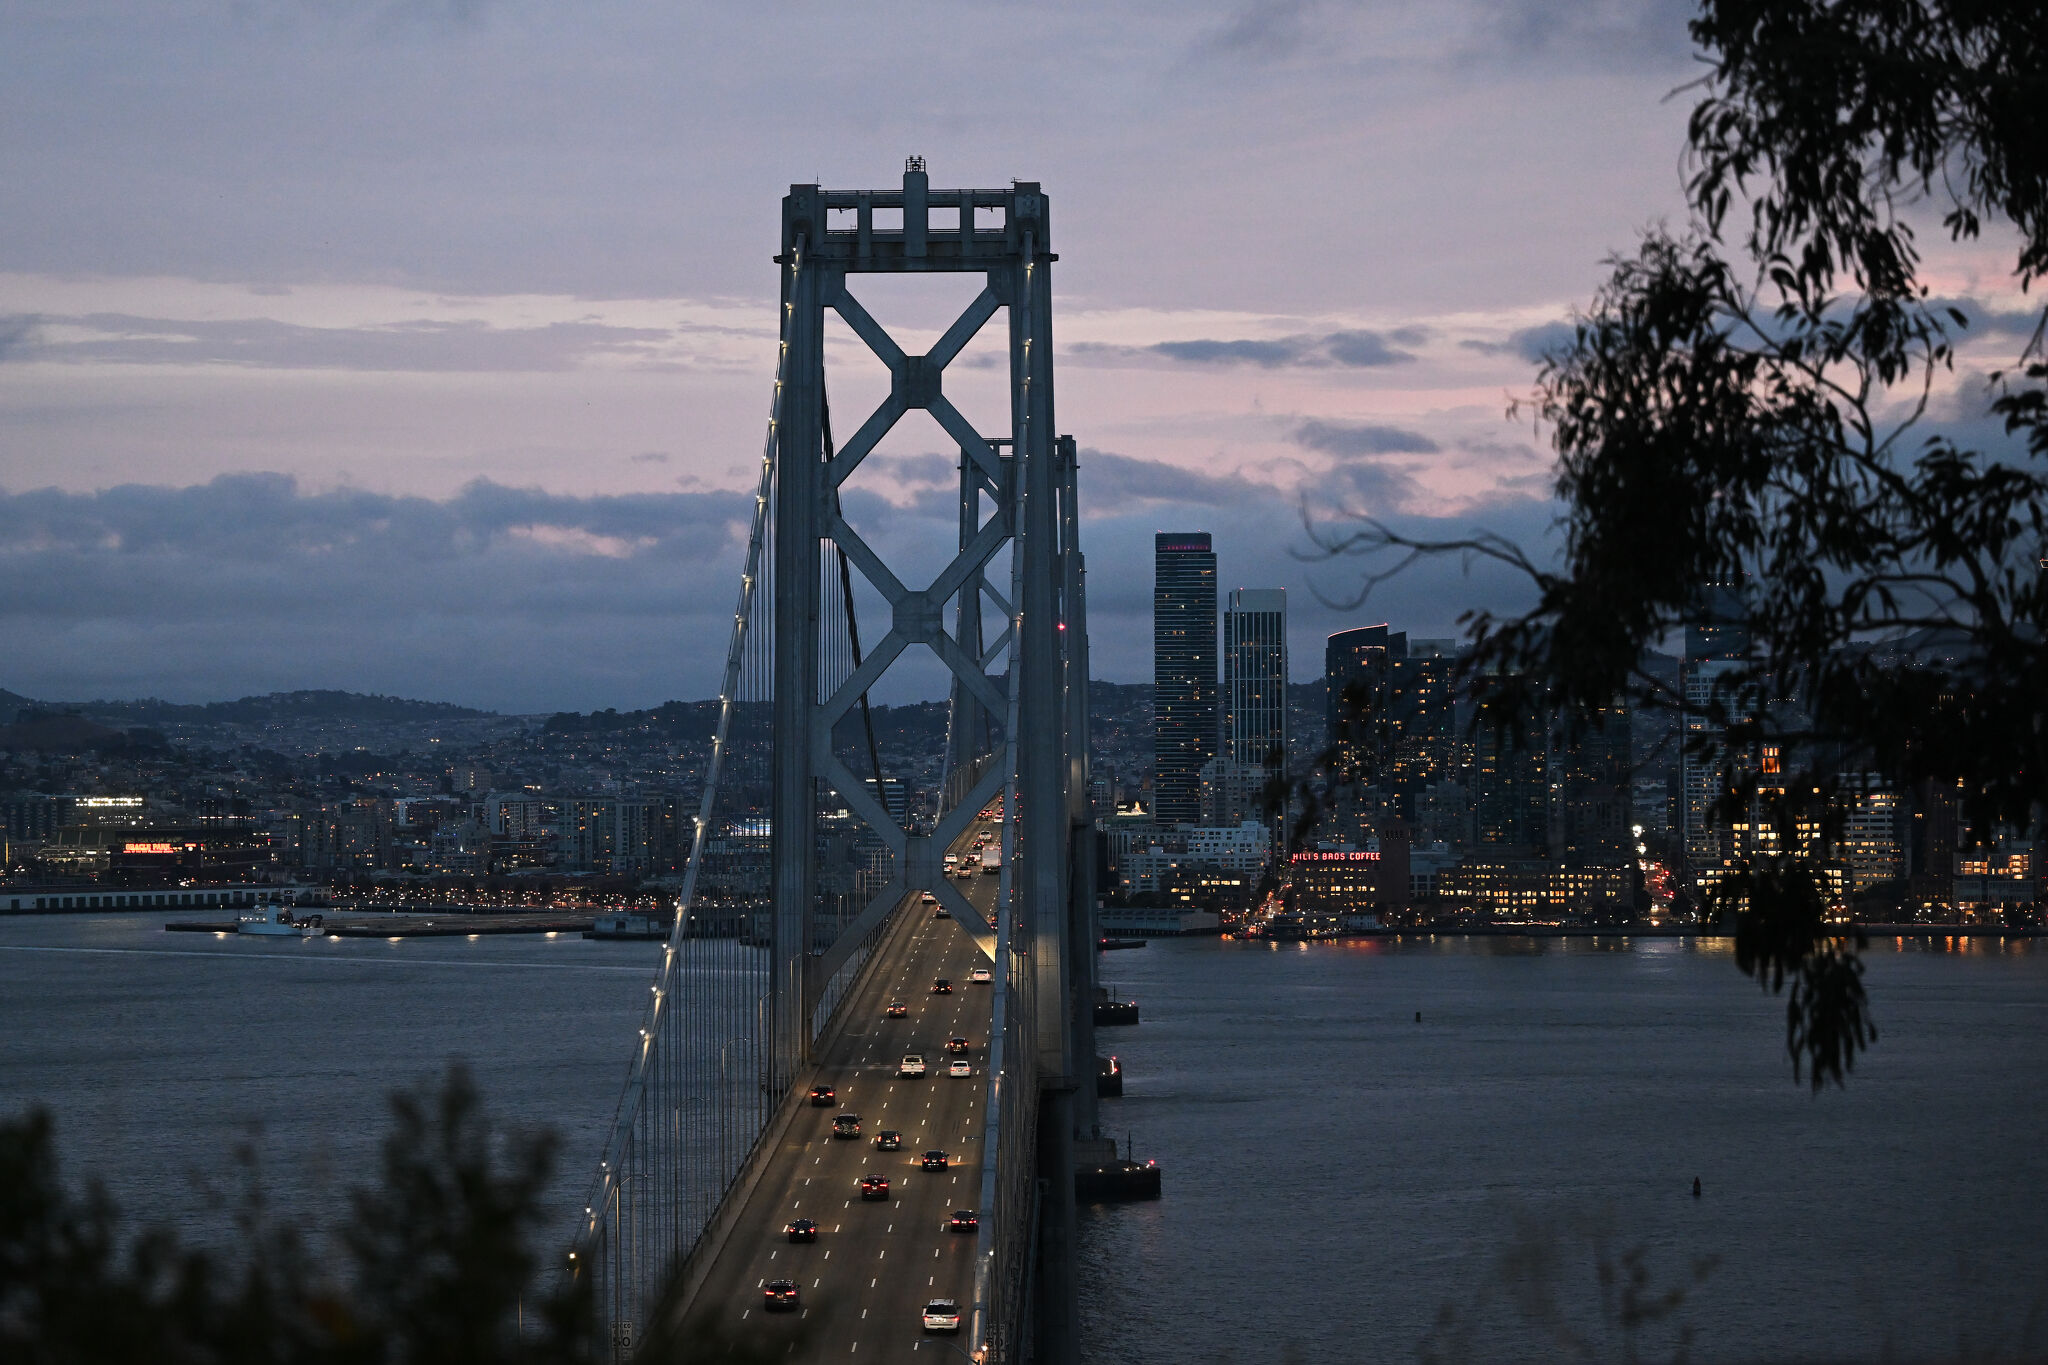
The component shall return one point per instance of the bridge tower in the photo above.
(1017, 488)
(724, 1053)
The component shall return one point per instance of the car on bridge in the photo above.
(897, 1010)
(927, 898)
(846, 1125)
(936, 1161)
(911, 1065)
(942, 1315)
(939, 911)
(942, 987)
(801, 1230)
(957, 1045)
(960, 1066)
(780, 1296)
(981, 976)
(963, 1220)
(874, 1187)
(888, 1140)
(823, 1097)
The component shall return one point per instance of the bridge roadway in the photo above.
(865, 1281)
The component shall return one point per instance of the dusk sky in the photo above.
(425, 348)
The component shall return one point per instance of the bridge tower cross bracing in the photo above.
(767, 947)
(1043, 967)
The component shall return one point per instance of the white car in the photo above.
(959, 1067)
(928, 899)
(911, 1065)
(980, 976)
(942, 1315)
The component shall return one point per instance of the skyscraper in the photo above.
(1184, 720)
(1592, 799)
(1715, 669)
(1422, 721)
(1255, 678)
(1358, 672)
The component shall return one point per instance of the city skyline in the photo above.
(602, 551)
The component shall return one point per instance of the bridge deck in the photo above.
(865, 1281)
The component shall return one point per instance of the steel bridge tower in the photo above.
(1017, 728)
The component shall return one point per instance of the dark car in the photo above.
(897, 1010)
(874, 1187)
(936, 1161)
(942, 987)
(963, 1220)
(822, 1097)
(888, 1140)
(941, 912)
(779, 1296)
(957, 1046)
(802, 1230)
(846, 1125)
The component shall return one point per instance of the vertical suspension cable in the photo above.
(637, 1216)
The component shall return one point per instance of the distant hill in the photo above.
(65, 732)
(314, 705)
(683, 722)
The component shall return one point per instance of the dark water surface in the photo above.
(1339, 1177)
(159, 1053)
(1343, 1183)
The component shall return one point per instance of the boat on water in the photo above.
(1294, 928)
(277, 921)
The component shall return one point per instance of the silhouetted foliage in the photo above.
(1762, 411)
(439, 1253)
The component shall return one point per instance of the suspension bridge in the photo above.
(819, 913)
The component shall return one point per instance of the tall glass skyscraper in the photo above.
(1714, 670)
(1360, 662)
(1255, 677)
(1184, 720)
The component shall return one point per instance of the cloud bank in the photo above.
(522, 600)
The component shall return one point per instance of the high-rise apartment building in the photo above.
(1358, 686)
(1869, 842)
(1255, 678)
(1712, 673)
(1592, 792)
(1511, 782)
(1184, 711)
(1422, 722)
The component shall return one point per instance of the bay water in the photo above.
(1507, 1178)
